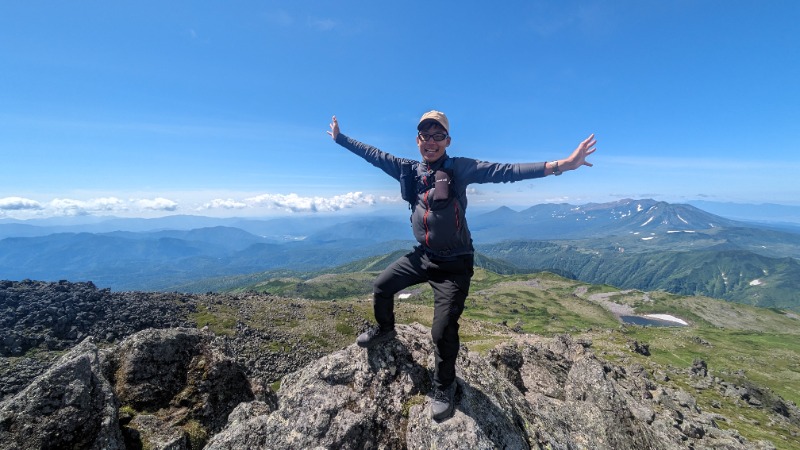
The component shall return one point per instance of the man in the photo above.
(436, 188)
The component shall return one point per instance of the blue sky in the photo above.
(148, 108)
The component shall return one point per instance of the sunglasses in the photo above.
(436, 136)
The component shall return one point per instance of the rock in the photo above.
(249, 410)
(378, 398)
(699, 368)
(585, 403)
(17, 373)
(58, 315)
(71, 405)
(508, 361)
(685, 400)
(639, 347)
(179, 370)
(150, 367)
(693, 431)
(157, 435)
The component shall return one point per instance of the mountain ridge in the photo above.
(168, 259)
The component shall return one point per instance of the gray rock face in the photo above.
(554, 395)
(150, 367)
(181, 373)
(378, 398)
(71, 406)
(158, 434)
(349, 399)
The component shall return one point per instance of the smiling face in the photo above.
(431, 149)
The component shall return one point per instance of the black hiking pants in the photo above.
(450, 282)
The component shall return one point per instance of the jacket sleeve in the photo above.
(474, 171)
(380, 159)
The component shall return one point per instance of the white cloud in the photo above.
(139, 206)
(157, 204)
(474, 191)
(18, 203)
(393, 199)
(295, 203)
(224, 204)
(107, 204)
(71, 207)
(68, 207)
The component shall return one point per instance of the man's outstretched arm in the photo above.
(378, 158)
(575, 160)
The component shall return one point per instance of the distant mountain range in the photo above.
(642, 244)
(767, 213)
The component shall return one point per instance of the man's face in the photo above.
(431, 149)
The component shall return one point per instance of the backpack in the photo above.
(412, 181)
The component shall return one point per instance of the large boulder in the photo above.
(378, 398)
(72, 405)
(552, 394)
(150, 367)
(180, 372)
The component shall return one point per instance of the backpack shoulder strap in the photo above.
(448, 165)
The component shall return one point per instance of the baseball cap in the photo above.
(436, 116)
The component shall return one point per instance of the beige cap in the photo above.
(437, 116)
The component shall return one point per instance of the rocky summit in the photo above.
(550, 394)
(86, 368)
(176, 389)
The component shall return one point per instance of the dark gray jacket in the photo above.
(440, 226)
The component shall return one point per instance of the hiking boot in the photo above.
(444, 402)
(375, 336)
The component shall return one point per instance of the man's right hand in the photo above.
(334, 128)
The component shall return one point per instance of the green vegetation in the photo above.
(197, 434)
(314, 287)
(415, 400)
(542, 303)
(127, 411)
(726, 272)
(277, 286)
(345, 329)
(221, 319)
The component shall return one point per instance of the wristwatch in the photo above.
(556, 172)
